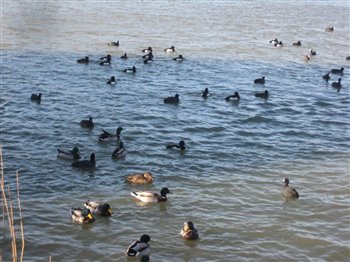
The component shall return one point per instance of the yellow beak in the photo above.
(90, 216)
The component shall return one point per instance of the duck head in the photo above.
(286, 181)
(119, 130)
(145, 238)
(93, 158)
(106, 210)
(164, 191)
(88, 217)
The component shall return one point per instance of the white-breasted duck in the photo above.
(205, 93)
(145, 178)
(84, 60)
(36, 98)
(86, 163)
(179, 58)
(189, 231)
(87, 123)
(151, 197)
(82, 216)
(326, 76)
(289, 192)
(260, 80)
(170, 49)
(113, 44)
(73, 154)
(180, 146)
(264, 94)
(234, 97)
(279, 44)
(172, 99)
(106, 136)
(140, 248)
(112, 81)
(106, 60)
(119, 151)
(338, 71)
(130, 70)
(96, 207)
(147, 50)
(274, 41)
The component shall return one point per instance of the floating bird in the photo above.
(338, 71)
(86, 163)
(147, 50)
(119, 151)
(307, 58)
(98, 208)
(287, 191)
(148, 55)
(150, 197)
(329, 29)
(347, 58)
(326, 76)
(106, 136)
(297, 43)
(84, 60)
(234, 97)
(113, 44)
(170, 49)
(125, 56)
(140, 248)
(264, 94)
(260, 80)
(130, 70)
(179, 58)
(36, 98)
(274, 41)
(111, 81)
(106, 60)
(337, 85)
(172, 99)
(312, 52)
(205, 93)
(73, 154)
(180, 145)
(145, 178)
(189, 232)
(148, 60)
(82, 216)
(279, 44)
(87, 123)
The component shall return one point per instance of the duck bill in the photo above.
(110, 211)
(90, 217)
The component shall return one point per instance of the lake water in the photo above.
(229, 180)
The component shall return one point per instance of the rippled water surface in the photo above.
(228, 182)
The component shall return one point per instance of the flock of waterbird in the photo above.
(84, 215)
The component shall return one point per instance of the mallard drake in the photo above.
(36, 97)
(140, 247)
(234, 97)
(87, 123)
(326, 76)
(106, 136)
(113, 43)
(170, 49)
(264, 94)
(179, 58)
(297, 43)
(119, 151)
(180, 146)
(338, 71)
(130, 70)
(125, 56)
(86, 163)
(98, 208)
(73, 154)
(260, 80)
(145, 178)
(150, 197)
(112, 81)
(172, 99)
(189, 232)
(287, 191)
(205, 93)
(83, 216)
(84, 60)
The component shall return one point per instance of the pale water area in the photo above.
(229, 180)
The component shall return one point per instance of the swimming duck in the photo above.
(297, 43)
(180, 146)
(150, 197)
(145, 178)
(86, 163)
(274, 41)
(36, 97)
(84, 60)
(312, 52)
(106, 60)
(73, 154)
(234, 97)
(119, 151)
(113, 43)
(87, 123)
(329, 29)
(130, 70)
(338, 71)
(125, 56)
(149, 55)
(337, 85)
(279, 44)
(172, 99)
(148, 60)
(326, 76)
(170, 49)
(205, 93)
(98, 208)
(347, 58)
(82, 216)
(307, 58)
(189, 232)
(147, 50)
(287, 191)
(264, 95)
(111, 81)
(140, 248)
(179, 58)
(260, 80)
(106, 136)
